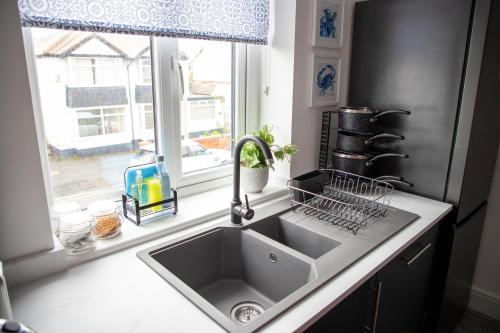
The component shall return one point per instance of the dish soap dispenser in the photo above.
(164, 178)
(139, 189)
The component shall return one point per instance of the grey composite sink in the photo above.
(295, 236)
(229, 266)
(244, 276)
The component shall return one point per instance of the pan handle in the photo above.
(384, 136)
(373, 159)
(394, 179)
(375, 117)
(400, 182)
(387, 177)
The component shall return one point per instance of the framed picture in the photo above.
(324, 80)
(328, 21)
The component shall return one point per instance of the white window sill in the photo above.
(194, 210)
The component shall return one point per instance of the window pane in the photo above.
(146, 74)
(82, 62)
(114, 110)
(108, 72)
(88, 113)
(145, 70)
(148, 120)
(92, 135)
(114, 124)
(206, 103)
(81, 71)
(89, 126)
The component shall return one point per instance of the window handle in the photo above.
(181, 77)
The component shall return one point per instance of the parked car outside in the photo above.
(194, 156)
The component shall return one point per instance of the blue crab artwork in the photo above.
(326, 79)
(327, 24)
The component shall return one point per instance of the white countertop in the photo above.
(120, 293)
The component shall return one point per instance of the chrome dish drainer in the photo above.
(340, 198)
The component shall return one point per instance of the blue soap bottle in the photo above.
(164, 178)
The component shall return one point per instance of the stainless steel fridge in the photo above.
(440, 59)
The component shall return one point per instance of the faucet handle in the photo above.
(246, 201)
(246, 212)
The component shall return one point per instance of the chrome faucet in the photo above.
(237, 210)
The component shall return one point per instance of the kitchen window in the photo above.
(108, 101)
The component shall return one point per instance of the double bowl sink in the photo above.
(244, 276)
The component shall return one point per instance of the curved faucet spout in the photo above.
(237, 211)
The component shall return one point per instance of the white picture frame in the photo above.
(328, 23)
(324, 89)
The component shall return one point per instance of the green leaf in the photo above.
(253, 157)
(290, 149)
(279, 154)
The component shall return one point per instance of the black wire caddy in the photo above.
(133, 211)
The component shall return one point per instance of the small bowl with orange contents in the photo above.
(107, 219)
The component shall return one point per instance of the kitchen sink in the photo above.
(229, 267)
(243, 276)
(294, 236)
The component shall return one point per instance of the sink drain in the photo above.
(246, 312)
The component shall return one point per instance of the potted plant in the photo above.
(254, 171)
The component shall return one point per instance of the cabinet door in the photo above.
(352, 315)
(404, 285)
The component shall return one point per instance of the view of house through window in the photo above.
(97, 108)
(206, 104)
(96, 96)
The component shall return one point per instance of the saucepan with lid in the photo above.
(356, 142)
(358, 164)
(359, 118)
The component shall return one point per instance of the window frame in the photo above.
(168, 96)
(166, 104)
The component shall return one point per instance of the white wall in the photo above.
(286, 66)
(306, 123)
(278, 74)
(485, 293)
(24, 218)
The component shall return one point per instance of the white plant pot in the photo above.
(253, 180)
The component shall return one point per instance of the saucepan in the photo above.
(358, 164)
(360, 118)
(361, 142)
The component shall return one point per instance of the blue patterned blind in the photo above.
(230, 20)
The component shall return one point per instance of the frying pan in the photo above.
(358, 164)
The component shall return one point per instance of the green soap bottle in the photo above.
(140, 189)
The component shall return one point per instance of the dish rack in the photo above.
(341, 198)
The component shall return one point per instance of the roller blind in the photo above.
(229, 20)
